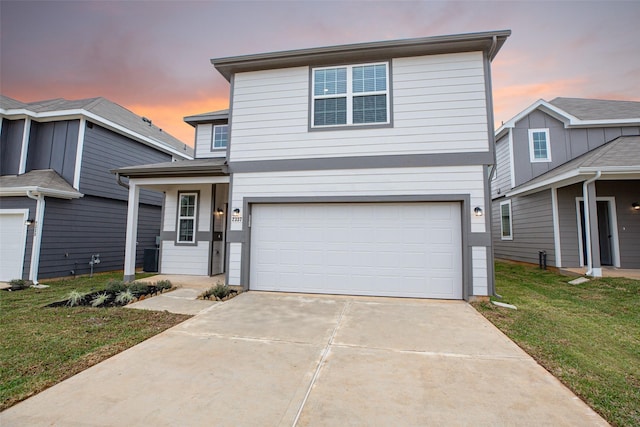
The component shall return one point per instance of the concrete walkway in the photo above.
(266, 359)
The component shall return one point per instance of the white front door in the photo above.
(381, 249)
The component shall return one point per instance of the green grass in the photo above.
(42, 346)
(587, 335)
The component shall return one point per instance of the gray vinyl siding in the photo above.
(76, 229)
(502, 178)
(23, 203)
(532, 230)
(53, 145)
(104, 150)
(11, 146)
(565, 144)
(625, 193)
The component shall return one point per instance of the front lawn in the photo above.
(586, 335)
(40, 346)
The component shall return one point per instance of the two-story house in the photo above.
(356, 169)
(61, 211)
(567, 185)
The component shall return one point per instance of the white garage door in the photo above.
(13, 234)
(385, 249)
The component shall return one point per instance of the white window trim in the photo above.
(510, 236)
(213, 138)
(181, 217)
(531, 150)
(350, 95)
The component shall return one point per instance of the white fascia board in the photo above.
(611, 169)
(543, 184)
(180, 180)
(76, 114)
(22, 191)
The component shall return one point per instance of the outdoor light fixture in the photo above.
(635, 206)
(478, 211)
(29, 222)
(236, 211)
(219, 211)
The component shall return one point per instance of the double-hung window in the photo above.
(539, 149)
(350, 95)
(187, 217)
(220, 137)
(506, 232)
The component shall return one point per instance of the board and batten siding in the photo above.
(22, 203)
(73, 230)
(463, 180)
(53, 145)
(11, 146)
(532, 229)
(104, 150)
(501, 181)
(565, 144)
(439, 106)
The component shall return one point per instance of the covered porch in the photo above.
(192, 238)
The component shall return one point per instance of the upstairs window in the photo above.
(350, 95)
(187, 217)
(220, 137)
(539, 149)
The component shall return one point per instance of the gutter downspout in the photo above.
(120, 183)
(587, 221)
(37, 236)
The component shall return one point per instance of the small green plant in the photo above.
(100, 299)
(115, 286)
(137, 289)
(124, 297)
(218, 291)
(75, 298)
(19, 284)
(163, 285)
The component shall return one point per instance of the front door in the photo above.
(604, 232)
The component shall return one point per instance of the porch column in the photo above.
(596, 267)
(132, 233)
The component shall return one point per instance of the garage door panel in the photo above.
(393, 249)
(13, 235)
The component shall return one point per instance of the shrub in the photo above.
(75, 298)
(124, 297)
(19, 284)
(137, 289)
(115, 286)
(218, 291)
(99, 299)
(163, 285)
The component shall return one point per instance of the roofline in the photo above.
(172, 171)
(206, 117)
(77, 113)
(571, 177)
(489, 42)
(22, 191)
(569, 120)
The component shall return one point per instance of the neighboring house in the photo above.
(357, 169)
(59, 204)
(552, 158)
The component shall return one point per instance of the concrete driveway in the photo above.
(265, 359)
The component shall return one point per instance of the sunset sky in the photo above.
(153, 56)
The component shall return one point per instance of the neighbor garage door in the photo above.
(12, 244)
(385, 249)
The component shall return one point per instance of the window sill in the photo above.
(350, 127)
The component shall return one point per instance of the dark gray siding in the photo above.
(532, 219)
(11, 146)
(105, 150)
(76, 229)
(502, 178)
(53, 145)
(566, 144)
(22, 203)
(567, 219)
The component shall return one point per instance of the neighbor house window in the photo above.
(187, 217)
(505, 221)
(539, 145)
(350, 95)
(220, 137)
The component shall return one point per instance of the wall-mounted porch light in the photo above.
(635, 206)
(477, 211)
(236, 211)
(219, 211)
(29, 222)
